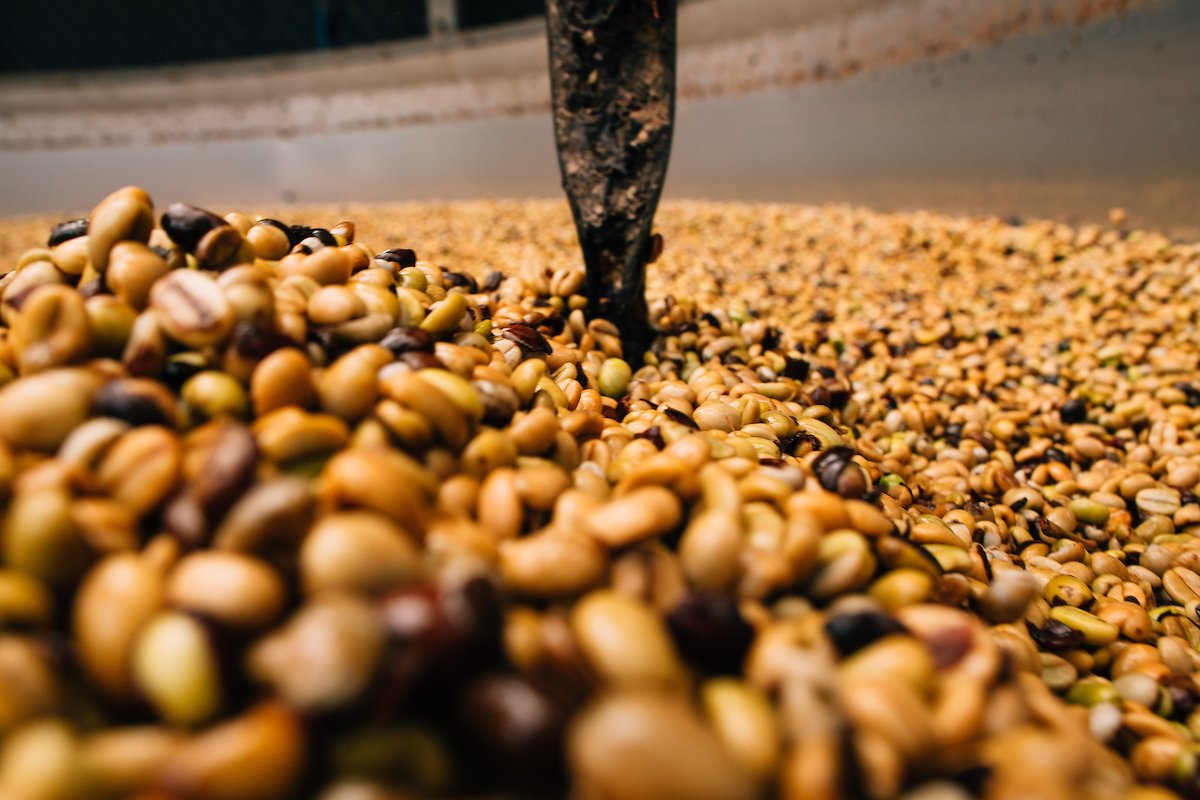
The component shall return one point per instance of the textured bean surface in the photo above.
(895, 506)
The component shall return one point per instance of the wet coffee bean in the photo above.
(401, 257)
(1055, 636)
(343, 570)
(187, 225)
(513, 731)
(440, 635)
(274, 223)
(137, 401)
(406, 340)
(492, 282)
(420, 359)
(796, 368)
(179, 368)
(297, 234)
(323, 236)
(1073, 412)
(831, 395)
(852, 631)
(227, 469)
(67, 230)
(528, 338)
(460, 279)
(710, 631)
(837, 472)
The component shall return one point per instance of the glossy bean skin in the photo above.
(273, 497)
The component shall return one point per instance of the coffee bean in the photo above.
(399, 256)
(709, 630)
(187, 225)
(67, 230)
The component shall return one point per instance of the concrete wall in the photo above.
(1058, 107)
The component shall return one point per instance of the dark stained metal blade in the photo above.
(612, 73)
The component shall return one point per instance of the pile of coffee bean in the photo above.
(905, 510)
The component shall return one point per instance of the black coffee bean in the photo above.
(400, 256)
(323, 236)
(1054, 454)
(528, 338)
(1183, 698)
(179, 368)
(832, 395)
(653, 434)
(512, 731)
(329, 343)
(186, 225)
(850, 632)
(1054, 636)
(710, 632)
(126, 400)
(441, 634)
(1191, 393)
(274, 223)
(796, 368)
(297, 234)
(460, 279)
(1073, 412)
(836, 471)
(953, 433)
(421, 359)
(678, 416)
(227, 470)
(255, 342)
(407, 340)
(67, 230)
(493, 280)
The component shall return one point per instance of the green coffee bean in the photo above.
(175, 667)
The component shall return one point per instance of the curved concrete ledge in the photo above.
(727, 46)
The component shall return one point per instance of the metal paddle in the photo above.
(612, 73)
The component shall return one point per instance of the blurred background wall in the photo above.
(1060, 108)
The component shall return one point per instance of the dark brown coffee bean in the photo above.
(274, 223)
(138, 401)
(218, 247)
(442, 634)
(710, 632)
(67, 230)
(419, 359)
(460, 279)
(493, 280)
(1073, 412)
(323, 236)
(528, 338)
(837, 472)
(852, 631)
(226, 471)
(1055, 636)
(513, 731)
(187, 225)
(400, 256)
(405, 340)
